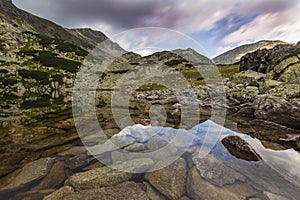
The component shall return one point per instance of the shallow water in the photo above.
(47, 135)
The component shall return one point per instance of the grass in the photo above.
(229, 70)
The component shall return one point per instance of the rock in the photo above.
(240, 148)
(126, 190)
(171, 180)
(271, 196)
(78, 161)
(136, 147)
(9, 162)
(60, 193)
(156, 143)
(291, 74)
(279, 108)
(184, 198)
(73, 151)
(152, 193)
(31, 172)
(55, 177)
(198, 189)
(265, 60)
(106, 176)
(216, 172)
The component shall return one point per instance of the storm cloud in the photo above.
(220, 22)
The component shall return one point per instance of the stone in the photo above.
(216, 172)
(285, 63)
(240, 148)
(156, 143)
(108, 176)
(78, 161)
(152, 193)
(126, 190)
(272, 196)
(73, 151)
(9, 162)
(198, 189)
(31, 172)
(136, 147)
(171, 180)
(60, 193)
(55, 177)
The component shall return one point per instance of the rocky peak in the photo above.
(234, 56)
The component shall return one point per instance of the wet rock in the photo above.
(9, 162)
(78, 161)
(155, 143)
(60, 193)
(126, 190)
(216, 172)
(152, 193)
(240, 148)
(30, 173)
(198, 189)
(271, 196)
(136, 147)
(171, 180)
(73, 151)
(106, 176)
(55, 177)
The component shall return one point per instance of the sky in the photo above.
(216, 25)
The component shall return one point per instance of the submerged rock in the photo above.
(107, 176)
(171, 180)
(240, 148)
(126, 190)
(216, 172)
(31, 172)
(198, 189)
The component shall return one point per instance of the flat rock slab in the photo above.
(126, 190)
(171, 180)
(30, 173)
(216, 172)
(108, 176)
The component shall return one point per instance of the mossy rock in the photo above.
(43, 77)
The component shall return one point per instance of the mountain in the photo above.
(14, 19)
(233, 56)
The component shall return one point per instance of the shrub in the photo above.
(3, 71)
(8, 81)
(43, 77)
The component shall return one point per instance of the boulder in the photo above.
(108, 176)
(214, 171)
(240, 148)
(171, 180)
(126, 190)
(31, 172)
(60, 193)
(198, 189)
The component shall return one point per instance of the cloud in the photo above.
(223, 23)
(278, 25)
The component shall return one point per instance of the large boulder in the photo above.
(198, 189)
(171, 180)
(266, 60)
(281, 105)
(240, 148)
(108, 176)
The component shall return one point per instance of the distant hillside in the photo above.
(233, 56)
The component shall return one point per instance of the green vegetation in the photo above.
(8, 81)
(3, 71)
(52, 61)
(43, 77)
(175, 62)
(150, 87)
(1, 45)
(229, 70)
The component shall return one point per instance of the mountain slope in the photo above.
(16, 20)
(233, 56)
